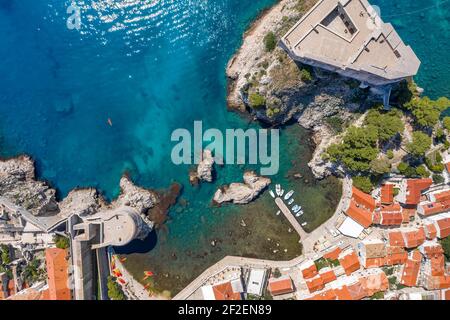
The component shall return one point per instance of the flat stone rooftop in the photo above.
(349, 34)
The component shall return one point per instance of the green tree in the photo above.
(387, 124)
(446, 123)
(422, 171)
(445, 243)
(358, 149)
(61, 242)
(305, 75)
(426, 111)
(380, 166)
(419, 145)
(363, 183)
(5, 254)
(438, 178)
(256, 100)
(270, 42)
(406, 170)
(115, 291)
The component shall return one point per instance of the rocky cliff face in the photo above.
(18, 184)
(136, 197)
(242, 193)
(290, 91)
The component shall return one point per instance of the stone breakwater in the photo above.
(292, 92)
(18, 183)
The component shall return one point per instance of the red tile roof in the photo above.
(57, 272)
(349, 261)
(442, 196)
(328, 276)
(429, 209)
(396, 239)
(315, 284)
(430, 231)
(333, 254)
(357, 291)
(443, 228)
(363, 199)
(414, 188)
(411, 270)
(343, 293)
(414, 238)
(309, 271)
(225, 291)
(395, 255)
(282, 285)
(387, 193)
(325, 295)
(359, 214)
(374, 283)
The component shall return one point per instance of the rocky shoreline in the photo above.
(19, 184)
(291, 92)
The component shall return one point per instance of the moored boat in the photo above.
(288, 195)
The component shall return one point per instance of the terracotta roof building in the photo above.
(411, 190)
(411, 269)
(414, 237)
(374, 283)
(315, 284)
(349, 261)
(308, 269)
(57, 271)
(443, 228)
(387, 193)
(430, 231)
(432, 208)
(359, 214)
(282, 285)
(395, 239)
(363, 200)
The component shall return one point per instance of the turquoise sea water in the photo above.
(151, 67)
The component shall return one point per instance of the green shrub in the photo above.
(336, 124)
(115, 291)
(363, 183)
(61, 242)
(270, 42)
(438, 178)
(390, 154)
(387, 124)
(446, 123)
(422, 171)
(276, 273)
(406, 170)
(256, 100)
(445, 243)
(426, 111)
(305, 75)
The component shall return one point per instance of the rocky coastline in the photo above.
(19, 184)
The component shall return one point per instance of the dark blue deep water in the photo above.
(152, 66)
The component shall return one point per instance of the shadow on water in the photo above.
(139, 246)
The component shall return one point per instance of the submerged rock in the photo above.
(242, 193)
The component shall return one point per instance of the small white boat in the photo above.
(271, 194)
(278, 212)
(278, 189)
(304, 224)
(297, 215)
(295, 208)
(281, 192)
(288, 195)
(300, 212)
(291, 201)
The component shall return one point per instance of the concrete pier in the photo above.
(288, 214)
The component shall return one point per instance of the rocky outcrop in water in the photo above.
(136, 197)
(242, 193)
(18, 184)
(205, 167)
